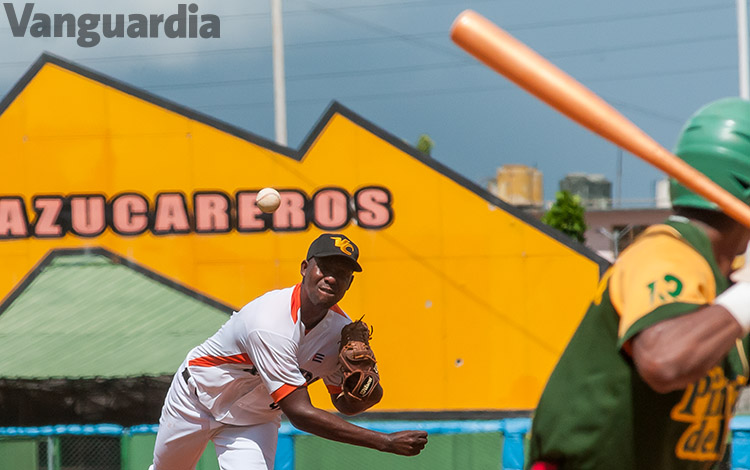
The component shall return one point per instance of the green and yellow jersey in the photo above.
(596, 412)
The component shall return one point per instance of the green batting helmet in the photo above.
(716, 142)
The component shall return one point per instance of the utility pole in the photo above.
(742, 48)
(279, 88)
(619, 178)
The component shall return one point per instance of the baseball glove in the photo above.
(357, 361)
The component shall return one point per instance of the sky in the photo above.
(393, 63)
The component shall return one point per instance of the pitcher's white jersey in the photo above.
(263, 353)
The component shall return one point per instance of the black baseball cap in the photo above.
(335, 244)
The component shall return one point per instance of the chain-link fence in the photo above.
(62, 448)
(479, 445)
(465, 445)
(79, 453)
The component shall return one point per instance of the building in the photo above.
(595, 190)
(520, 185)
(611, 230)
(121, 172)
(662, 193)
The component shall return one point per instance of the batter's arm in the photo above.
(305, 417)
(674, 353)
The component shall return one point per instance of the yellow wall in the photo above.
(471, 305)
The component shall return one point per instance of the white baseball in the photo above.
(268, 200)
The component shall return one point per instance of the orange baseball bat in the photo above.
(508, 56)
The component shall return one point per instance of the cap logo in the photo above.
(343, 244)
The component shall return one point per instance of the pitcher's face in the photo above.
(326, 280)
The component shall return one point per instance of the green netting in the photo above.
(444, 451)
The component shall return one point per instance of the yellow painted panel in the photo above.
(479, 301)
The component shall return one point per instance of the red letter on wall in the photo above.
(291, 213)
(170, 214)
(13, 222)
(373, 206)
(331, 209)
(248, 214)
(87, 217)
(48, 209)
(211, 213)
(129, 214)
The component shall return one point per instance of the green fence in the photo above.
(494, 444)
(465, 445)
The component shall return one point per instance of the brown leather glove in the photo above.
(357, 361)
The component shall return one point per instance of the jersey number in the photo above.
(671, 286)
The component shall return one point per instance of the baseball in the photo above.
(268, 200)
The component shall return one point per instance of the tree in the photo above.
(425, 144)
(566, 215)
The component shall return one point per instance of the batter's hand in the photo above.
(743, 273)
(406, 442)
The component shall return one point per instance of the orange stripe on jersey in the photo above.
(295, 302)
(283, 391)
(338, 310)
(211, 361)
